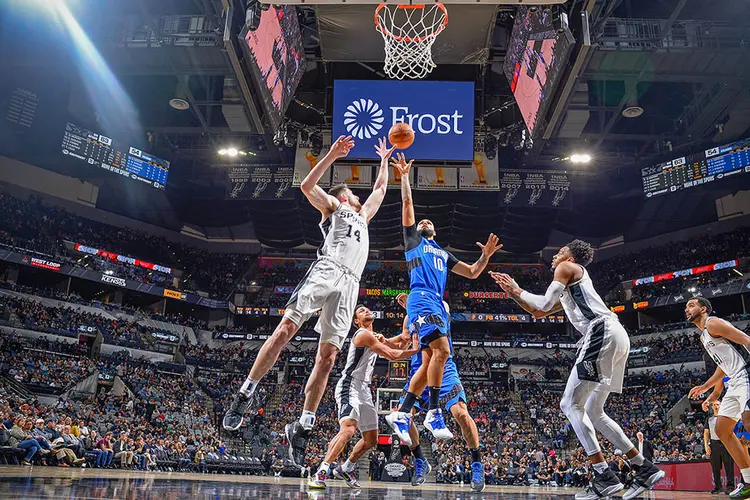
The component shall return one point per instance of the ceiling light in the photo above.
(222, 151)
(691, 289)
(232, 152)
(243, 153)
(580, 158)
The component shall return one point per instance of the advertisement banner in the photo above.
(686, 272)
(527, 372)
(174, 294)
(486, 295)
(482, 176)
(254, 311)
(122, 259)
(256, 182)
(305, 159)
(42, 263)
(525, 188)
(355, 176)
(165, 337)
(440, 113)
(283, 290)
(692, 476)
(437, 178)
(381, 292)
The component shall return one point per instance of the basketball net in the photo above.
(409, 32)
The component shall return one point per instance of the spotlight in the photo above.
(290, 136)
(580, 158)
(504, 140)
(304, 135)
(692, 289)
(518, 146)
(316, 143)
(232, 152)
(490, 146)
(222, 151)
(278, 138)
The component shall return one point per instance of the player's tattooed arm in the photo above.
(475, 270)
(371, 206)
(318, 198)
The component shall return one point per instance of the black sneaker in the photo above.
(603, 485)
(646, 476)
(297, 436)
(235, 415)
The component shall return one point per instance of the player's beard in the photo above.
(426, 232)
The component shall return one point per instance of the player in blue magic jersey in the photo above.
(428, 271)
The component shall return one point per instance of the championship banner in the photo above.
(355, 176)
(523, 188)
(305, 160)
(255, 182)
(437, 178)
(482, 176)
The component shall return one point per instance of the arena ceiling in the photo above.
(684, 62)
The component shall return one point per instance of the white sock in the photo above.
(638, 459)
(600, 467)
(745, 475)
(324, 466)
(307, 420)
(248, 388)
(348, 466)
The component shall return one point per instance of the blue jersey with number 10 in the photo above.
(428, 263)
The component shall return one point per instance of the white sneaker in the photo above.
(317, 480)
(435, 423)
(400, 423)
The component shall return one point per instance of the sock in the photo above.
(476, 455)
(307, 420)
(745, 475)
(324, 466)
(600, 467)
(638, 460)
(348, 466)
(417, 452)
(408, 403)
(248, 388)
(434, 398)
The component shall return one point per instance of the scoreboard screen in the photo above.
(697, 169)
(398, 371)
(100, 151)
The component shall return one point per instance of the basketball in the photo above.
(401, 135)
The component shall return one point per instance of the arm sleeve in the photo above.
(547, 301)
(412, 239)
(452, 261)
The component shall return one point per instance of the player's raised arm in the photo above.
(507, 283)
(371, 206)
(474, 270)
(547, 303)
(407, 214)
(318, 198)
(367, 339)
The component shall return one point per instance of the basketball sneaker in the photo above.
(421, 469)
(349, 477)
(400, 423)
(235, 415)
(317, 480)
(435, 423)
(297, 437)
(477, 476)
(603, 485)
(742, 491)
(646, 476)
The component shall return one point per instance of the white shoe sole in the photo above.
(316, 486)
(652, 480)
(442, 435)
(609, 491)
(405, 438)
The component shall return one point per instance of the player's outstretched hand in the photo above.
(493, 245)
(382, 149)
(401, 165)
(697, 391)
(401, 299)
(342, 146)
(506, 282)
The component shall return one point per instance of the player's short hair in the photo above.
(582, 252)
(704, 302)
(338, 190)
(357, 308)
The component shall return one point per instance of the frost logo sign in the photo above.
(440, 113)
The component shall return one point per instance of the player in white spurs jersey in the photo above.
(354, 397)
(330, 286)
(598, 370)
(729, 348)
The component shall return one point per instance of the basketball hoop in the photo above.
(409, 32)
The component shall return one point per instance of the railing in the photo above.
(646, 34)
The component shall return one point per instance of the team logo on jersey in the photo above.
(590, 368)
(363, 118)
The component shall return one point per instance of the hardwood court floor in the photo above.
(51, 482)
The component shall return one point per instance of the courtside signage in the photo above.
(441, 114)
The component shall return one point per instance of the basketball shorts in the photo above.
(603, 356)
(354, 401)
(736, 398)
(427, 316)
(331, 289)
(451, 392)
